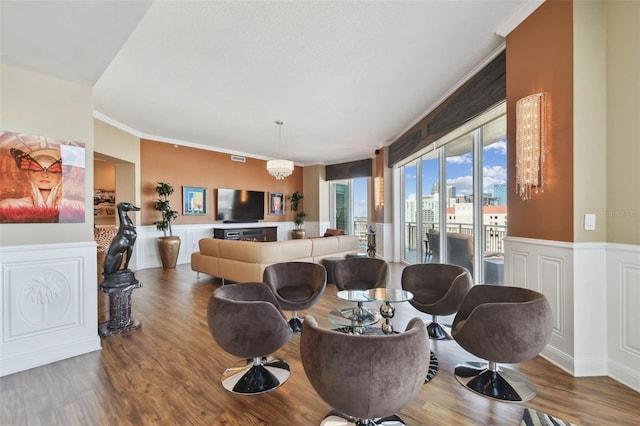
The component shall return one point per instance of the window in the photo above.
(349, 207)
(461, 188)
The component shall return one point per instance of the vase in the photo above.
(169, 248)
(298, 234)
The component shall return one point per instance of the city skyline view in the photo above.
(460, 172)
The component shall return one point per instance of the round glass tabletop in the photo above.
(388, 295)
(353, 295)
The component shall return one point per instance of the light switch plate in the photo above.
(589, 222)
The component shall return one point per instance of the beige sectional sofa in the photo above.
(244, 261)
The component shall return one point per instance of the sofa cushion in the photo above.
(269, 252)
(322, 246)
(209, 246)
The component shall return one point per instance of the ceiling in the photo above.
(345, 77)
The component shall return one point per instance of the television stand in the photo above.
(240, 221)
(266, 233)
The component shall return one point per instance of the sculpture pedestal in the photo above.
(120, 320)
(371, 244)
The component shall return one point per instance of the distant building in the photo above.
(500, 192)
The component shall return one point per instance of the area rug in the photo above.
(433, 367)
(531, 417)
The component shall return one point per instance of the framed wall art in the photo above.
(194, 200)
(42, 179)
(276, 203)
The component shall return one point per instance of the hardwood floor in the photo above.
(169, 373)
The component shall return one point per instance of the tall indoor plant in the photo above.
(168, 245)
(298, 219)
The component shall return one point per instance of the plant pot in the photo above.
(298, 234)
(169, 248)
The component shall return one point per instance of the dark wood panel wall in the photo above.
(484, 90)
(353, 169)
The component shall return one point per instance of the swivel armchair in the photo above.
(361, 273)
(296, 286)
(438, 289)
(377, 374)
(501, 324)
(246, 321)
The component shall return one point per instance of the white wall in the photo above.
(48, 286)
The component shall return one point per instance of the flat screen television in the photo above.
(239, 205)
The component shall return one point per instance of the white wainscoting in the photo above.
(623, 314)
(384, 241)
(48, 304)
(594, 293)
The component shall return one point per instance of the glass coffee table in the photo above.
(355, 319)
(387, 296)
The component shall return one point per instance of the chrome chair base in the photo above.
(487, 379)
(438, 332)
(256, 376)
(295, 324)
(335, 418)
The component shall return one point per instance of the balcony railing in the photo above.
(493, 235)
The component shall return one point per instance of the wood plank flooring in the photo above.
(168, 373)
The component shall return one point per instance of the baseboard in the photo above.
(624, 375)
(558, 358)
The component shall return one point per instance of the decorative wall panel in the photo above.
(630, 312)
(623, 314)
(42, 297)
(48, 304)
(550, 285)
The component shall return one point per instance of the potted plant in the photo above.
(298, 220)
(168, 245)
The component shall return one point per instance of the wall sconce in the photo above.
(378, 193)
(531, 138)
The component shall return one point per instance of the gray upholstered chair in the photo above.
(377, 375)
(438, 289)
(246, 321)
(361, 273)
(296, 285)
(501, 324)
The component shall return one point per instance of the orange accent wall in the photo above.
(184, 166)
(540, 59)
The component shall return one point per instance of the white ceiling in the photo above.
(346, 77)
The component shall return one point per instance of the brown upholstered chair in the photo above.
(297, 286)
(246, 321)
(501, 324)
(377, 375)
(438, 289)
(361, 273)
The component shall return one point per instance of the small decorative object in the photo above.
(194, 201)
(276, 203)
(371, 242)
(119, 280)
(169, 246)
(299, 217)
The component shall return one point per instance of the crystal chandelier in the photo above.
(531, 135)
(280, 169)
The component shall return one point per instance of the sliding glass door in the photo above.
(454, 208)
